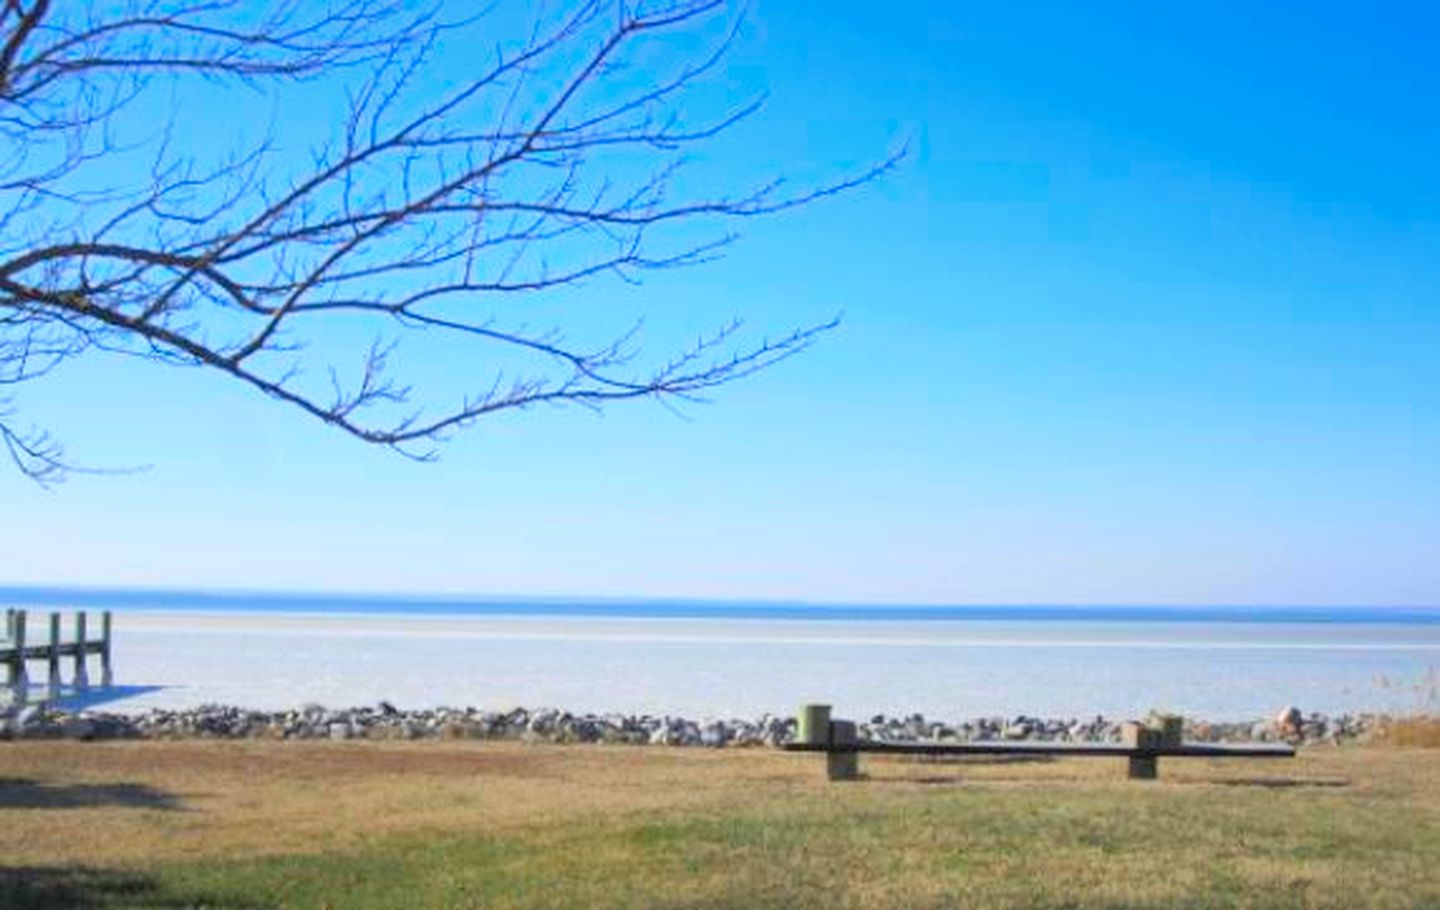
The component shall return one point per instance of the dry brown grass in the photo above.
(248, 798)
(494, 824)
(1418, 732)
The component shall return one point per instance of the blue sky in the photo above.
(1149, 315)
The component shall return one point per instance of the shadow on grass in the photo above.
(956, 762)
(971, 759)
(33, 888)
(19, 793)
(954, 780)
(1283, 783)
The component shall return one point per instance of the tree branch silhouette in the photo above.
(430, 207)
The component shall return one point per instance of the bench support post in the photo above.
(1144, 767)
(842, 761)
(842, 765)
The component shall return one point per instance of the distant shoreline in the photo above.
(158, 600)
(712, 630)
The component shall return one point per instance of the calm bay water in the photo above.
(700, 658)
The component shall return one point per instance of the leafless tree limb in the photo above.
(428, 210)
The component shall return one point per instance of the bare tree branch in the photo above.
(428, 212)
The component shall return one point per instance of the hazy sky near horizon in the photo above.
(1149, 315)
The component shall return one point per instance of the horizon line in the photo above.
(230, 593)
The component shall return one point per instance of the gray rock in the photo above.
(1019, 728)
(77, 726)
(551, 725)
(1288, 718)
(713, 735)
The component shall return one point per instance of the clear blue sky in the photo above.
(1149, 316)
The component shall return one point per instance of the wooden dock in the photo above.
(20, 647)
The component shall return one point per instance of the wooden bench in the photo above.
(1142, 745)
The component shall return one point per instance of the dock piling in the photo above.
(107, 674)
(16, 652)
(82, 675)
(53, 658)
(19, 679)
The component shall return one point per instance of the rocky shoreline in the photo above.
(551, 725)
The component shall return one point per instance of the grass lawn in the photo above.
(458, 824)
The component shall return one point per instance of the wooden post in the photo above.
(107, 675)
(82, 676)
(1169, 728)
(1143, 766)
(1138, 736)
(10, 640)
(19, 680)
(842, 762)
(53, 658)
(813, 725)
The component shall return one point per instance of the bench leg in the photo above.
(842, 765)
(1144, 767)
